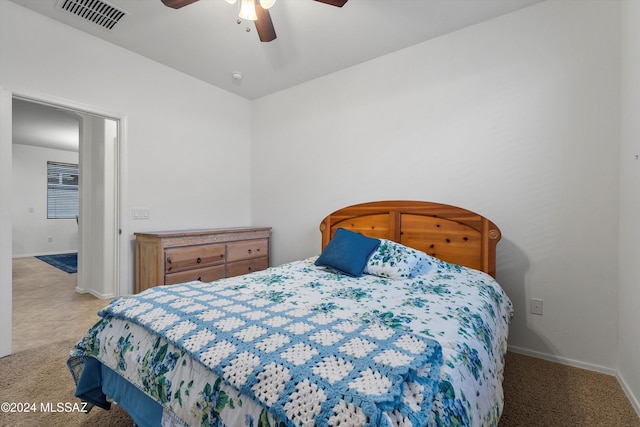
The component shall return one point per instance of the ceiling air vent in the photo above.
(96, 11)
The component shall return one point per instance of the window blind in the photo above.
(62, 190)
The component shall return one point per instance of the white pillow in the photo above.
(394, 261)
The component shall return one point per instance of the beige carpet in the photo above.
(538, 393)
(40, 376)
(542, 393)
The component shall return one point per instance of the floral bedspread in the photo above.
(465, 310)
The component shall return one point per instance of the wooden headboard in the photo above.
(450, 233)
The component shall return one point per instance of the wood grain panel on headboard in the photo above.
(453, 234)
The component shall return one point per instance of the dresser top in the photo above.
(201, 231)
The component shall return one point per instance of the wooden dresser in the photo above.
(170, 257)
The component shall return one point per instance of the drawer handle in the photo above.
(250, 269)
(249, 250)
(199, 260)
(199, 279)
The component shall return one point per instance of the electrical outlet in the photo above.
(536, 306)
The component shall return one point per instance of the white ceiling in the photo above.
(44, 126)
(314, 39)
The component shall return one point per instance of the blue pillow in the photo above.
(347, 252)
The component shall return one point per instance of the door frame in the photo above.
(121, 263)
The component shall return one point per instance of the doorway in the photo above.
(98, 242)
(45, 159)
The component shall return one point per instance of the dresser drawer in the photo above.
(246, 250)
(239, 268)
(188, 258)
(207, 274)
(171, 257)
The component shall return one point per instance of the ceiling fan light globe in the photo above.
(231, 1)
(248, 10)
(267, 4)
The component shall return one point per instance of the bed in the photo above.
(397, 322)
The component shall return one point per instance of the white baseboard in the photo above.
(583, 365)
(627, 391)
(563, 360)
(94, 293)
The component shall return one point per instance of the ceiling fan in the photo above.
(264, 25)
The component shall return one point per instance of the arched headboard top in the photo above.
(453, 234)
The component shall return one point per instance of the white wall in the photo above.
(31, 228)
(98, 207)
(629, 297)
(6, 181)
(186, 147)
(516, 118)
(187, 143)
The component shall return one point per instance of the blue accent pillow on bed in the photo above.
(347, 252)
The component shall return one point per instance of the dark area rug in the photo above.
(65, 262)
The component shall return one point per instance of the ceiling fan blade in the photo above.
(338, 3)
(177, 4)
(264, 25)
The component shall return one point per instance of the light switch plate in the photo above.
(140, 213)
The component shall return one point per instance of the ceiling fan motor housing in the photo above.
(264, 25)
